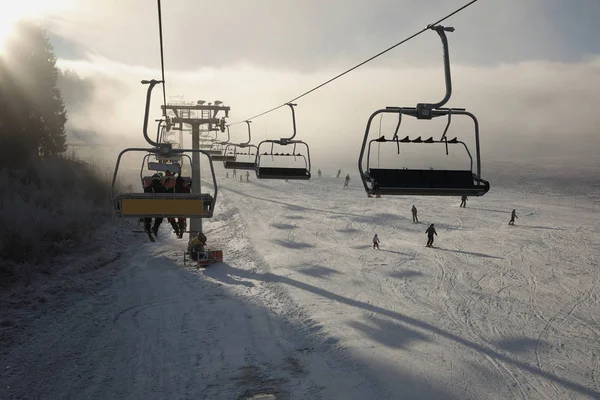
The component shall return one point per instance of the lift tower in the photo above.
(196, 115)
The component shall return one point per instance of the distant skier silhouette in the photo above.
(338, 174)
(319, 173)
(430, 232)
(463, 202)
(513, 215)
(414, 215)
(346, 180)
(376, 242)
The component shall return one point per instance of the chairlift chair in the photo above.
(223, 154)
(419, 182)
(171, 158)
(162, 205)
(158, 166)
(162, 137)
(263, 172)
(215, 150)
(250, 164)
(206, 142)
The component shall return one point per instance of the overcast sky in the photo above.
(312, 34)
(527, 68)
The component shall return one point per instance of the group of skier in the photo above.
(163, 184)
(339, 172)
(181, 186)
(197, 245)
(513, 214)
(157, 185)
(431, 229)
(234, 174)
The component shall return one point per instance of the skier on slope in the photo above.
(463, 202)
(338, 174)
(430, 232)
(247, 176)
(414, 215)
(319, 173)
(346, 180)
(376, 242)
(513, 215)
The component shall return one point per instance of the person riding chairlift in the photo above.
(154, 187)
(179, 226)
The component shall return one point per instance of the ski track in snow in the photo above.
(304, 308)
(510, 293)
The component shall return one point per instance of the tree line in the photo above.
(33, 114)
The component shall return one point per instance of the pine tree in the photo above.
(76, 92)
(32, 112)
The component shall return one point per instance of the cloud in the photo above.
(526, 110)
(310, 35)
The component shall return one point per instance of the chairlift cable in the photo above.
(362, 63)
(162, 59)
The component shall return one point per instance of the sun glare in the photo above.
(32, 10)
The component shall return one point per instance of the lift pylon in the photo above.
(197, 115)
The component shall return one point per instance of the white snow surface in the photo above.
(304, 308)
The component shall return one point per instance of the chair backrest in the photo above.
(282, 173)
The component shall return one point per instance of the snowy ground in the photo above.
(303, 308)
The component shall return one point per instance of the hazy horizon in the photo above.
(529, 71)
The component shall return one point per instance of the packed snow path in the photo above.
(303, 308)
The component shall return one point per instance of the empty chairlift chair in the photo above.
(245, 160)
(240, 161)
(221, 153)
(423, 182)
(225, 156)
(282, 172)
(163, 136)
(216, 149)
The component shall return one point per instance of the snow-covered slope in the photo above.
(494, 312)
(303, 308)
